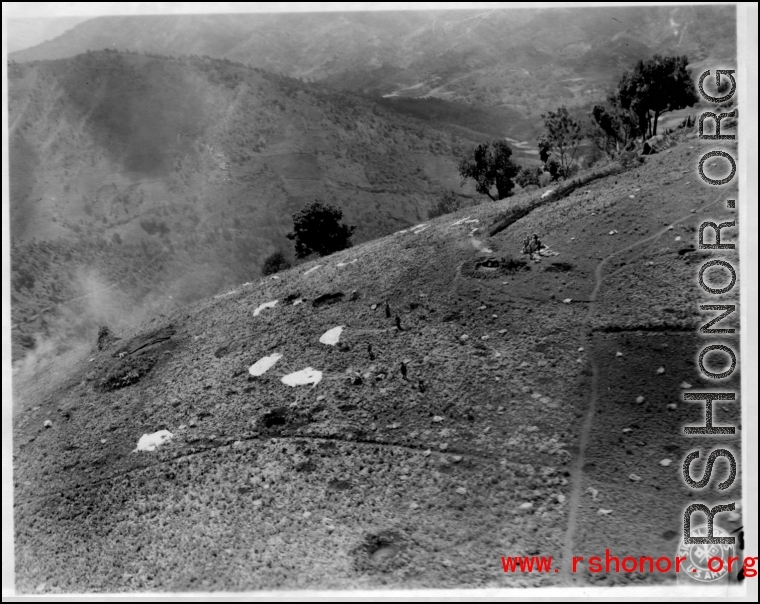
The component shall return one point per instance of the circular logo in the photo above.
(705, 561)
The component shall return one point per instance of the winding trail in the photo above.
(576, 472)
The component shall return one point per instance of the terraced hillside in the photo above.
(475, 405)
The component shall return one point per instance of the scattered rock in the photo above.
(639, 399)
(48, 424)
(660, 370)
(634, 477)
(666, 462)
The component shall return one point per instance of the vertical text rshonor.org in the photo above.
(720, 293)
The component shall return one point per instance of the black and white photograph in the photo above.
(388, 300)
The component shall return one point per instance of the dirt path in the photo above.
(576, 472)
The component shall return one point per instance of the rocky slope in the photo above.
(491, 408)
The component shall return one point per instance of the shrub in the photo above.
(491, 166)
(317, 228)
(447, 204)
(275, 263)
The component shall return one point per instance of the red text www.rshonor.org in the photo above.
(628, 564)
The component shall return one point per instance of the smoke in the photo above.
(67, 331)
(72, 325)
(480, 246)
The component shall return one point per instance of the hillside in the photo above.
(169, 179)
(494, 410)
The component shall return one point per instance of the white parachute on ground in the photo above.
(303, 377)
(263, 306)
(264, 364)
(331, 336)
(149, 442)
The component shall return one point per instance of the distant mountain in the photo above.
(512, 57)
(181, 175)
(28, 32)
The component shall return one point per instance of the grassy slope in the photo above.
(349, 484)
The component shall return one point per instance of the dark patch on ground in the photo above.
(378, 551)
(129, 371)
(326, 299)
(143, 341)
(275, 417)
(558, 267)
(306, 466)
